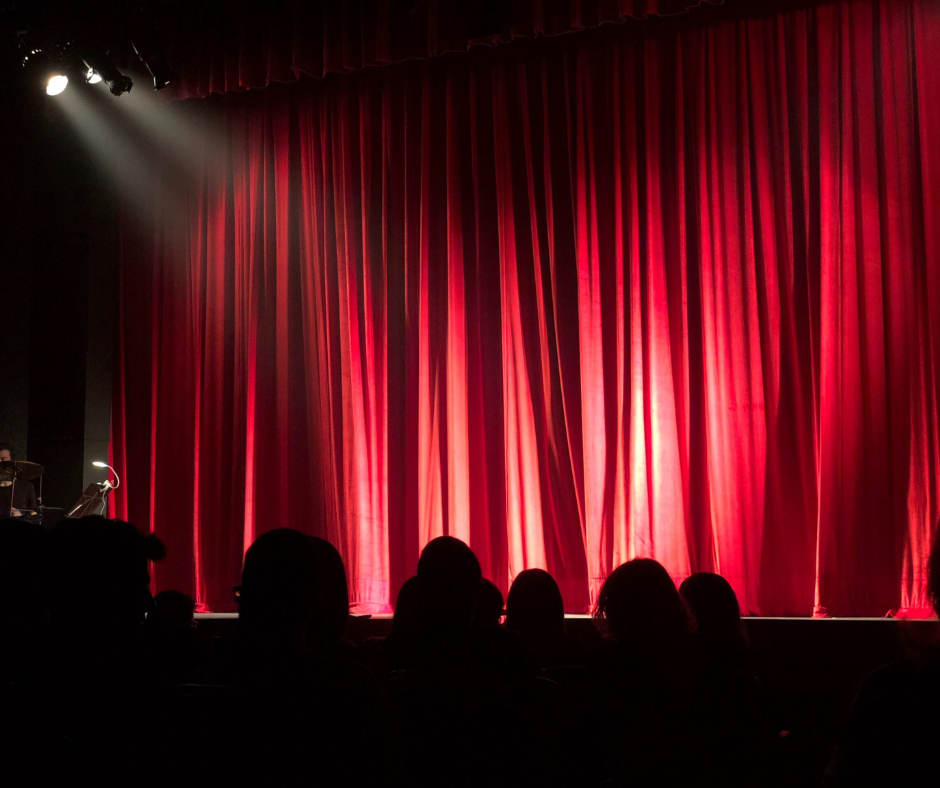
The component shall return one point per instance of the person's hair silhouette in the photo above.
(280, 583)
(715, 607)
(535, 610)
(448, 579)
(407, 618)
(639, 602)
(534, 607)
(101, 580)
(642, 675)
(489, 606)
(332, 603)
(173, 610)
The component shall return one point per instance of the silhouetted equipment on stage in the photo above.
(20, 471)
(95, 498)
(42, 515)
(13, 471)
(93, 501)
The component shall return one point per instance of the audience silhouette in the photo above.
(126, 691)
(27, 657)
(308, 711)
(408, 617)
(736, 736)
(643, 675)
(535, 609)
(277, 599)
(24, 599)
(171, 637)
(488, 609)
(105, 683)
(892, 731)
(390, 654)
(715, 608)
(331, 604)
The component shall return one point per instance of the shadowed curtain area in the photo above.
(229, 45)
(667, 291)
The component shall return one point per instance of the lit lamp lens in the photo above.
(57, 84)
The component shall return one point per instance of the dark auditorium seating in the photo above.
(122, 685)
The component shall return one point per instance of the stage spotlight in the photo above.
(92, 77)
(47, 67)
(56, 84)
(107, 72)
(120, 85)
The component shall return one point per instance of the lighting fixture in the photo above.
(117, 481)
(56, 84)
(108, 73)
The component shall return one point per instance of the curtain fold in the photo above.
(573, 301)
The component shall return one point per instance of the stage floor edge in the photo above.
(585, 616)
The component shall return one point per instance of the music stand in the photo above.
(93, 501)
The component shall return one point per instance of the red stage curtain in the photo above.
(572, 301)
(228, 45)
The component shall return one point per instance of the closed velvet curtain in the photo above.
(668, 292)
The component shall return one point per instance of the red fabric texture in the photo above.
(238, 46)
(572, 301)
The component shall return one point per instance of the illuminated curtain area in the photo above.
(572, 301)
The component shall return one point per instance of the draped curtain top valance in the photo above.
(229, 46)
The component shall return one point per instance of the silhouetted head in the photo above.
(6, 453)
(408, 617)
(638, 604)
(448, 578)
(714, 605)
(101, 581)
(173, 610)
(332, 604)
(534, 607)
(279, 583)
(488, 608)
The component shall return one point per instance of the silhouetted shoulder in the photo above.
(892, 729)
